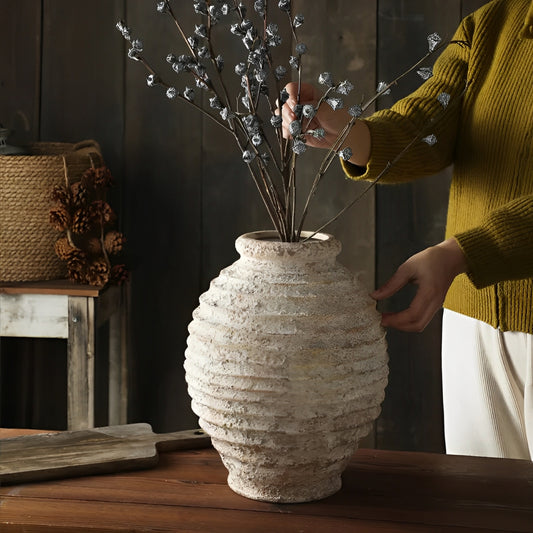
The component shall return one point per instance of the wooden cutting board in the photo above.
(90, 451)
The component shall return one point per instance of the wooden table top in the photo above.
(383, 491)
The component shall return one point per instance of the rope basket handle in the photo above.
(89, 143)
(94, 155)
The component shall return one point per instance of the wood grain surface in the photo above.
(383, 491)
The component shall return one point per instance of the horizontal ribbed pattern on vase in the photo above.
(286, 365)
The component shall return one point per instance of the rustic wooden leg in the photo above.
(118, 364)
(80, 361)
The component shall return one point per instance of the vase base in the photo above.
(286, 492)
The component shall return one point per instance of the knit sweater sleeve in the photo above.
(397, 133)
(500, 248)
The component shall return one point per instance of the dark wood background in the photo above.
(183, 196)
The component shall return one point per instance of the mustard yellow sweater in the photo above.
(487, 133)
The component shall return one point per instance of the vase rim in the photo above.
(266, 244)
(272, 235)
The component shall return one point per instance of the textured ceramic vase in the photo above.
(286, 366)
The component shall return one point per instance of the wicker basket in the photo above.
(26, 237)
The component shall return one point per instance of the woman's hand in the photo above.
(433, 270)
(332, 122)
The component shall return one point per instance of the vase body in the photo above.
(286, 365)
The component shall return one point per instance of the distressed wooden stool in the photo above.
(64, 310)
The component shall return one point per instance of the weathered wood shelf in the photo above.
(64, 310)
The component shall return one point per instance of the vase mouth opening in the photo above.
(267, 244)
(273, 236)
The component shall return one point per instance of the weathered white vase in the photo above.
(286, 365)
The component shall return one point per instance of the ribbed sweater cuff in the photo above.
(482, 255)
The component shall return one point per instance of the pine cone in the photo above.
(114, 242)
(101, 211)
(103, 178)
(76, 266)
(59, 218)
(119, 274)
(79, 194)
(60, 195)
(88, 178)
(98, 272)
(63, 248)
(83, 221)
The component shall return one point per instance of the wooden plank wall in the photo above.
(183, 197)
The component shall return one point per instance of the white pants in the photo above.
(487, 382)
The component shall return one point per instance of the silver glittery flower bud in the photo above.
(298, 20)
(299, 147)
(246, 102)
(335, 103)
(265, 157)
(425, 72)
(137, 45)
(325, 79)
(381, 87)
(319, 133)
(433, 41)
(227, 114)
(201, 84)
(280, 72)
(257, 139)
(284, 5)
(225, 8)
(251, 123)
(444, 99)
(124, 30)
(272, 29)
(162, 7)
(200, 7)
(346, 154)
(283, 96)
(171, 93)
(276, 121)
(240, 69)
(308, 111)
(274, 40)
(193, 42)
(215, 12)
(344, 87)
(171, 58)
(203, 52)
(215, 103)
(133, 54)
(246, 25)
(298, 110)
(261, 75)
(248, 156)
(301, 48)
(294, 62)
(200, 30)
(152, 80)
(295, 128)
(259, 6)
(355, 111)
(236, 29)
(189, 93)
(430, 139)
